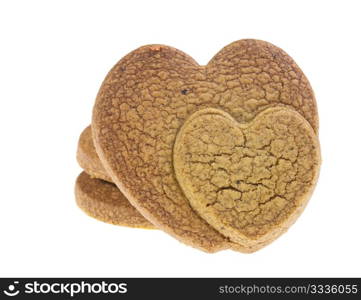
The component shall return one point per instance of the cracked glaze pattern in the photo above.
(247, 180)
(148, 95)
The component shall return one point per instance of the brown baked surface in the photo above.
(147, 97)
(103, 201)
(95, 162)
(88, 158)
(247, 180)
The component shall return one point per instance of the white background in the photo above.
(53, 58)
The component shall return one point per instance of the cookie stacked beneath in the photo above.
(222, 156)
(97, 195)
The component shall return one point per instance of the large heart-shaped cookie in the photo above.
(249, 181)
(149, 94)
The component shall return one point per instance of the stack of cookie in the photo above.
(222, 156)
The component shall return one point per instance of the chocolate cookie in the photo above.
(151, 93)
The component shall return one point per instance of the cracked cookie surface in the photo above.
(247, 180)
(92, 194)
(88, 158)
(148, 95)
(103, 201)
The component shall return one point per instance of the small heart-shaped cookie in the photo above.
(249, 181)
(87, 156)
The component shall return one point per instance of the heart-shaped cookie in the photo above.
(103, 201)
(87, 156)
(249, 181)
(149, 94)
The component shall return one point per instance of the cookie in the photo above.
(151, 93)
(88, 158)
(232, 246)
(103, 201)
(94, 162)
(249, 181)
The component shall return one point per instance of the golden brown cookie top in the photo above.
(255, 75)
(88, 158)
(247, 180)
(150, 93)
